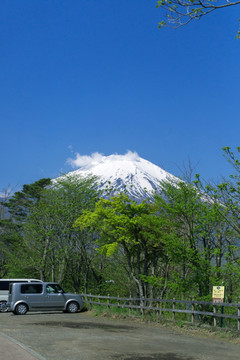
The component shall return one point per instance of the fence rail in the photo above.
(192, 307)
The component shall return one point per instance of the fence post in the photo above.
(214, 317)
(130, 304)
(108, 301)
(158, 312)
(142, 303)
(238, 316)
(118, 302)
(221, 318)
(99, 299)
(174, 307)
(193, 309)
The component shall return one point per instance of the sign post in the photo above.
(218, 297)
(218, 294)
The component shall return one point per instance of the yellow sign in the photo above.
(218, 292)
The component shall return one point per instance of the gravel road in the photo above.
(61, 336)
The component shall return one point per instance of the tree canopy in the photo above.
(178, 244)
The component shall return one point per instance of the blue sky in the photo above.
(80, 76)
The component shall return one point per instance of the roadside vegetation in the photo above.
(180, 324)
(177, 245)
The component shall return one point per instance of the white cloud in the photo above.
(87, 161)
(130, 155)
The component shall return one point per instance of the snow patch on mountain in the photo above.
(130, 172)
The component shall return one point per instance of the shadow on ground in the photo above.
(166, 356)
(85, 325)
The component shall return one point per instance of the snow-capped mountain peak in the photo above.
(130, 172)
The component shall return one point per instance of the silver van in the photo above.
(45, 296)
(4, 289)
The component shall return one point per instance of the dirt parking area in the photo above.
(58, 336)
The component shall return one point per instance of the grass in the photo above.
(179, 324)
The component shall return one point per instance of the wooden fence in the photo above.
(192, 307)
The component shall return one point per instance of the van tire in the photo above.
(21, 309)
(72, 307)
(3, 306)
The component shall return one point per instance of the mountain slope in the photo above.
(139, 177)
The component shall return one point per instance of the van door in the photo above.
(55, 296)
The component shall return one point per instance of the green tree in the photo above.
(14, 211)
(9, 234)
(21, 202)
(131, 230)
(54, 248)
(199, 227)
(227, 197)
(228, 192)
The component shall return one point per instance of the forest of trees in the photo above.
(177, 245)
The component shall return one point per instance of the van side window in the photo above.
(31, 289)
(54, 289)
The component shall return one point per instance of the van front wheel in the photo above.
(72, 307)
(21, 309)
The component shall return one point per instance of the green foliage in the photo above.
(196, 223)
(10, 239)
(49, 245)
(22, 201)
(131, 229)
(49, 236)
(177, 246)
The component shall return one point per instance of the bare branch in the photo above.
(181, 12)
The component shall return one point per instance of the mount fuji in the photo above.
(129, 172)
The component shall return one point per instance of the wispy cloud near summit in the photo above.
(87, 161)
